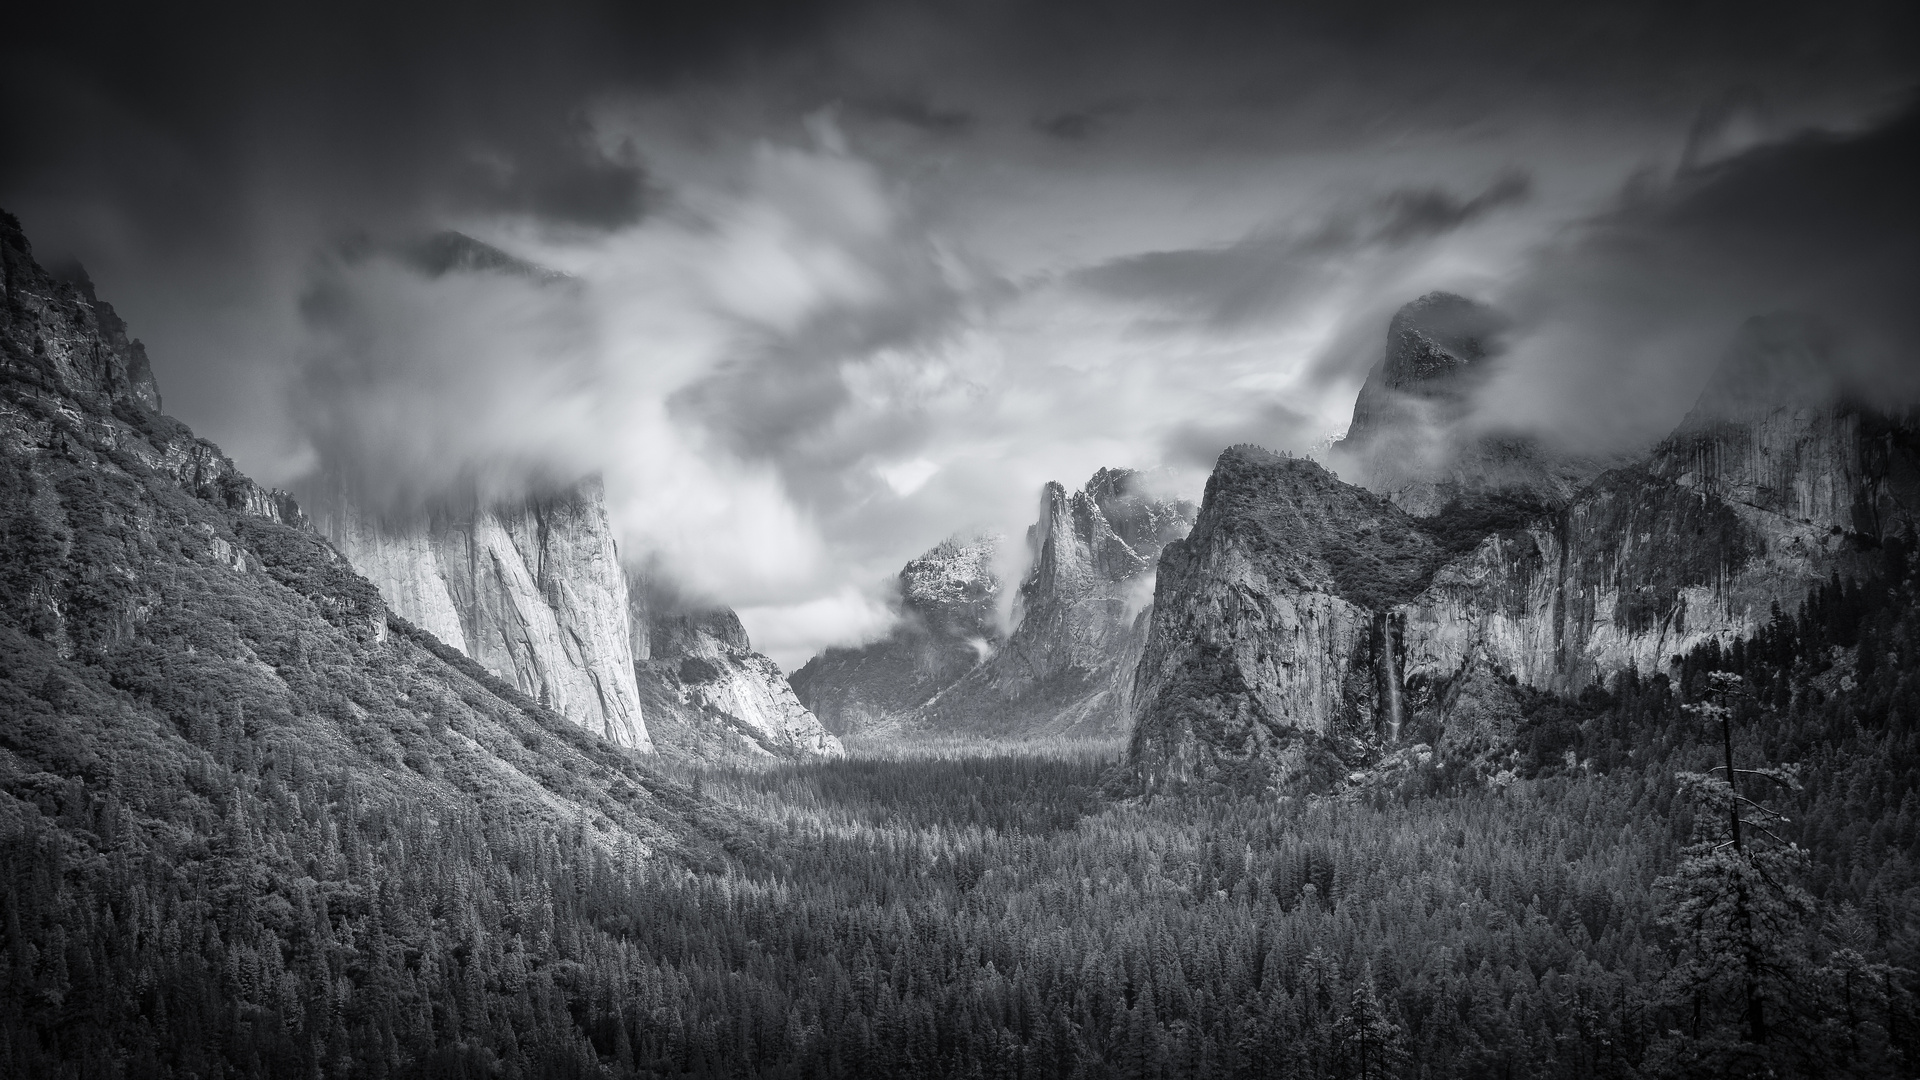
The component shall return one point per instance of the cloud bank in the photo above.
(814, 285)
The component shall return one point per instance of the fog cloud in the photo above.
(816, 284)
(1621, 320)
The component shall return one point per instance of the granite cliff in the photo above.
(1079, 624)
(1775, 482)
(178, 643)
(529, 586)
(533, 590)
(1270, 655)
(709, 696)
(948, 624)
(1307, 625)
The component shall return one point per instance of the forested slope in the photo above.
(1441, 918)
(249, 822)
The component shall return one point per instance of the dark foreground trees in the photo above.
(235, 912)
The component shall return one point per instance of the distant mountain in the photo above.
(1307, 625)
(948, 624)
(1064, 670)
(709, 696)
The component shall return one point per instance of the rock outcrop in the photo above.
(1775, 433)
(709, 696)
(533, 590)
(1415, 437)
(948, 625)
(67, 340)
(1268, 664)
(67, 351)
(1272, 654)
(1066, 669)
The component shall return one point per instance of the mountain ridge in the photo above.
(1270, 664)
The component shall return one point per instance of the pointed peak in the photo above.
(1438, 336)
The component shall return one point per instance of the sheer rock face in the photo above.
(1635, 571)
(533, 591)
(1252, 673)
(1773, 483)
(1774, 434)
(1271, 657)
(948, 624)
(1414, 437)
(710, 697)
(1067, 667)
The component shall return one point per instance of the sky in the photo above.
(812, 286)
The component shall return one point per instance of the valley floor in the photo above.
(1566, 908)
(995, 915)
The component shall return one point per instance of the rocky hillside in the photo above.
(1306, 624)
(948, 623)
(280, 810)
(1066, 669)
(533, 590)
(162, 610)
(709, 696)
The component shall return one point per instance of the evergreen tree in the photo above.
(1740, 922)
(1370, 1042)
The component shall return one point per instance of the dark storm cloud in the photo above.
(788, 221)
(375, 103)
(1618, 324)
(1413, 214)
(1075, 125)
(1274, 424)
(918, 112)
(1270, 273)
(169, 109)
(557, 183)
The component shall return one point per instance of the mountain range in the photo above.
(1065, 668)
(536, 591)
(1308, 626)
(368, 793)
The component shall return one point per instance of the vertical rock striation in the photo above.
(1293, 588)
(1066, 669)
(532, 590)
(1272, 654)
(1775, 434)
(1774, 483)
